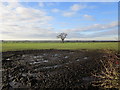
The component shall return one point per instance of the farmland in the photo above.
(59, 65)
(13, 46)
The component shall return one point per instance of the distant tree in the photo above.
(62, 36)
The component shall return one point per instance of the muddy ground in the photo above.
(51, 68)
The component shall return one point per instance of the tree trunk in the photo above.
(62, 40)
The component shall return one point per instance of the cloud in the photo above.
(20, 14)
(28, 32)
(111, 32)
(89, 17)
(73, 10)
(55, 10)
(52, 3)
(77, 7)
(94, 27)
(19, 21)
(41, 4)
(68, 14)
(25, 16)
(102, 35)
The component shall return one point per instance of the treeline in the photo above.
(54, 41)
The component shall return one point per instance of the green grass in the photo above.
(12, 46)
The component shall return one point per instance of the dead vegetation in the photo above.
(109, 76)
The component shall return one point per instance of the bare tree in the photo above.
(62, 36)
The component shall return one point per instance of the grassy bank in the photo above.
(12, 46)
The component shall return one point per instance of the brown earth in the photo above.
(52, 68)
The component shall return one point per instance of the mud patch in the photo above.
(49, 68)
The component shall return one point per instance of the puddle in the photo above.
(56, 55)
(39, 56)
(44, 54)
(66, 57)
(66, 63)
(8, 59)
(78, 60)
(24, 75)
(85, 58)
(23, 56)
(37, 62)
(45, 61)
(55, 66)
(34, 56)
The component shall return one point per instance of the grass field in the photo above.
(12, 46)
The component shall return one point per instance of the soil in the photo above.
(35, 69)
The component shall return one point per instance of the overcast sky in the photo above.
(44, 21)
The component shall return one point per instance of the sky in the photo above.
(46, 20)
